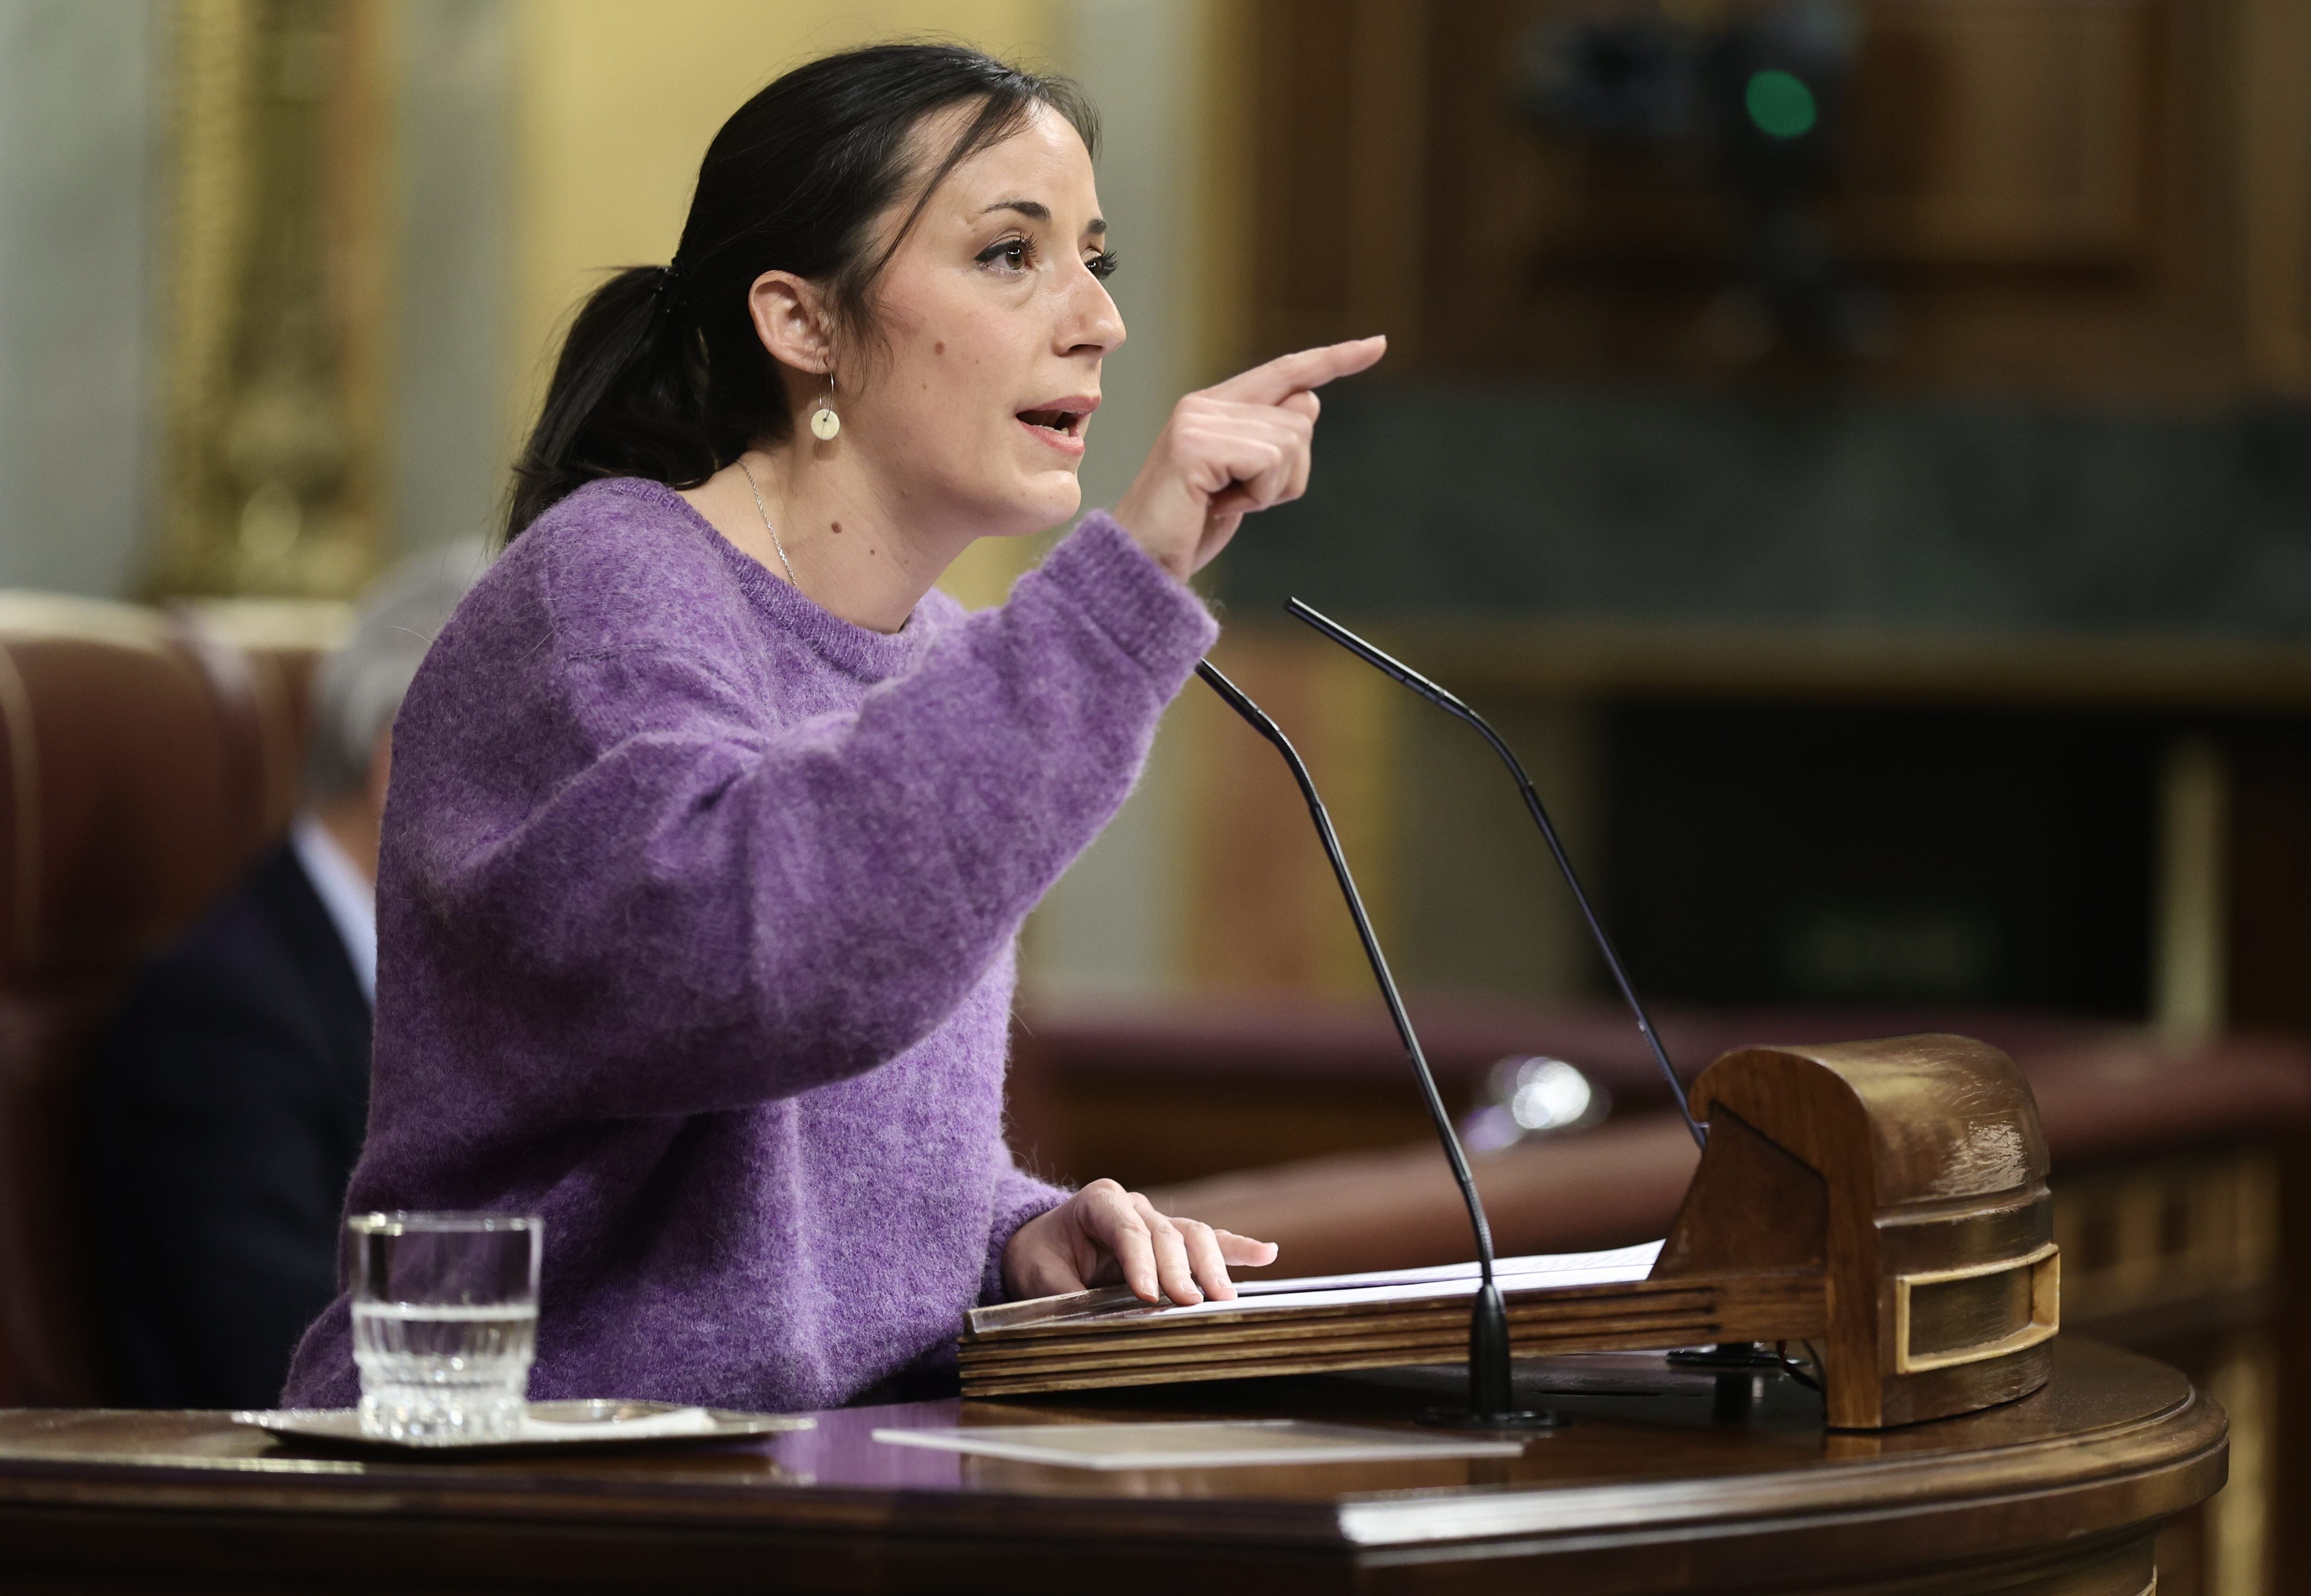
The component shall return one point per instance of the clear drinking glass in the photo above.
(445, 1322)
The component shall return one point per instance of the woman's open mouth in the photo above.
(1061, 426)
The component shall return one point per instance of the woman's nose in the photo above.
(1093, 323)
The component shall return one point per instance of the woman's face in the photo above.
(993, 320)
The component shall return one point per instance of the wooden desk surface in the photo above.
(1656, 1486)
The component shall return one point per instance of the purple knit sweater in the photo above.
(696, 915)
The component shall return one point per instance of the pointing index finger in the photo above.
(1297, 372)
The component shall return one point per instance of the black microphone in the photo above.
(1489, 1382)
(1391, 666)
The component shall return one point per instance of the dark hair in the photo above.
(661, 375)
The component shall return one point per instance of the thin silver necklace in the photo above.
(763, 511)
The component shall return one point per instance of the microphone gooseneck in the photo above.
(1390, 666)
(1490, 1383)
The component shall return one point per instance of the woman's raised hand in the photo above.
(1239, 447)
(1104, 1234)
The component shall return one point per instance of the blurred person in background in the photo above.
(226, 1107)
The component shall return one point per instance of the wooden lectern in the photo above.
(1649, 1492)
(1904, 1182)
(1884, 1201)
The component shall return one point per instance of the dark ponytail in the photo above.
(662, 375)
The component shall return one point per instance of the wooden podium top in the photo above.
(1665, 1480)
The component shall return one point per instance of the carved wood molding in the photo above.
(275, 291)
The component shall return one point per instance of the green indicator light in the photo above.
(1781, 105)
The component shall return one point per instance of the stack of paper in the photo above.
(1571, 1302)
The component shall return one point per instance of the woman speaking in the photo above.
(714, 824)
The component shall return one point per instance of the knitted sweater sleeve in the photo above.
(1018, 1197)
(714, 912)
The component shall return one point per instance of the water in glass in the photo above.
(434, 1373)
(445, 1323)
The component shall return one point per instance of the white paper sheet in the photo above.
(1615, 1261)
(1220, 1444)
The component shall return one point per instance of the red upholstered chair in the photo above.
(142, 764)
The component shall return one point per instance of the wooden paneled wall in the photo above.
(1266, 912)
(2274, 104)
(2103, 198)
(2268, 881)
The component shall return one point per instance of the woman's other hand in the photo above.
(1104, 1234)
(1230, 450)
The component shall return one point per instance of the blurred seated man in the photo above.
(224, 1111)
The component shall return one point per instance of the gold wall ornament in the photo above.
(272, 467)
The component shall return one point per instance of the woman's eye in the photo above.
(1103, 264)
(1013, 255)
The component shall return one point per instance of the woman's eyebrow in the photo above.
(1036, 210)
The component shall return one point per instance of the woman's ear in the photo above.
(791, 319)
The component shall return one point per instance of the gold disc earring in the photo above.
(824, 423)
